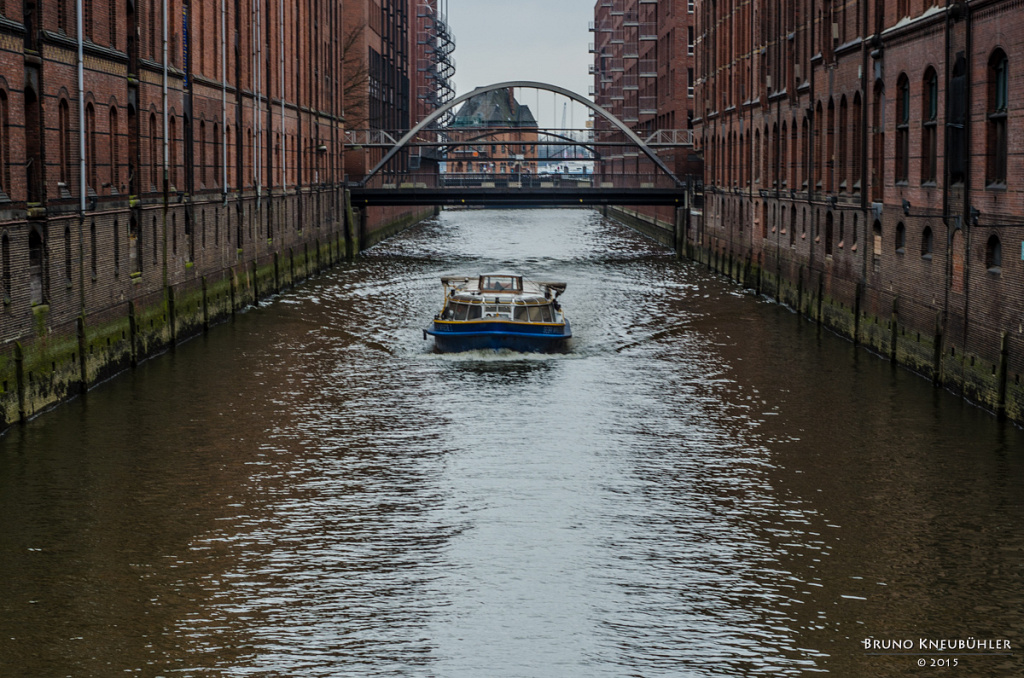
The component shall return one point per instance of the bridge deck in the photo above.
(516, 196)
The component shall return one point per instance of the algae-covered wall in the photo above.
(122, 286)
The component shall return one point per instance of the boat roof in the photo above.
(501, 284)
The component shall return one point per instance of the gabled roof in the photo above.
(497, 108)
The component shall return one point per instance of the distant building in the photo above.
(499, 136)
(643, 73)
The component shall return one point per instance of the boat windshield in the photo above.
(501, 283)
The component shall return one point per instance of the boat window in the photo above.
(449, 311)
(522, 313)
(545, 314)
(499, 283)
(535, 314)
(505, 310)
(474, 311)
(460, 311)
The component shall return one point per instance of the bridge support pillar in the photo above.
(352, 228)
(679, 239)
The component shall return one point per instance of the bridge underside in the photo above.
(516, 197)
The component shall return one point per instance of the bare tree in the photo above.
(355, 78)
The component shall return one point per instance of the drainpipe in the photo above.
(164, 101)
(284, 144)
(81, 108)
(224, 99)
(257, 169)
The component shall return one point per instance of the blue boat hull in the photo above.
(450, 338)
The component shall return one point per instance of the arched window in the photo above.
(115, 153)
(154, 161)
(901, 238)
(998, 96)
(5, 145)
(857, 152)
(902, 129)
(216, 155)
(994, 254)
(90, 149)
(878, 147)
(956, 147)
(929, 127)
(64, 143)
(172, 138)
(927, 242)
(843, 139)
(757, 157)
(816, 161)
(783, 166)
(203, 179)
(828, 156)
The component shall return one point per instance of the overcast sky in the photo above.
(542, 40)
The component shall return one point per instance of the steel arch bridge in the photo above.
(662, 189)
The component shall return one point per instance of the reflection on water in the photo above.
(705, 485)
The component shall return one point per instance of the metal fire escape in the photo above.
(434, 58)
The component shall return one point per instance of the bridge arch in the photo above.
(523, 84)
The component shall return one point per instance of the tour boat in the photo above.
(501, 310)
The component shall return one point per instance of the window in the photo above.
(67, 256)
(994, 255)
(94, 258)
(172, 137)
(90, 150)
(929, 134)
(117, 249)
(64, 132)
(112, 22)
(841, 159)
(902, 129)
(115, 153)
(153, 185)
(998, 91)
(877, 254)
(927, 242)
(203, 180)
(36, 276)
(956, 147)
(689, 40)
(828, 233)
(5, 253)
(857, 152)
(5, 146)
(689, 82)
(901, 238)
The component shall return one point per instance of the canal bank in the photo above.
(908, 320)
(210, 259)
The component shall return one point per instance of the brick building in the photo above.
(162, 163)
(505, 133)
(644, 74)
(862, 165)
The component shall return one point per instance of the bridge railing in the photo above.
(513, 181)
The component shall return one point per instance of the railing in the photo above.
(511, 181)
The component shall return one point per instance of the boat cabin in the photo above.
(501, 283)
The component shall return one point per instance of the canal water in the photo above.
(705, 485)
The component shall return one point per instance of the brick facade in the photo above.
(212, 170)
(863, 163)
